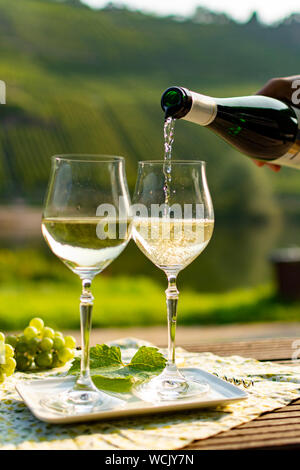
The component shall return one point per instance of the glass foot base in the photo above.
(78, 401)
(169, 387)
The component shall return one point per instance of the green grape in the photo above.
(9, 366)
(56, 362)
(23, 362)
(33, 345)
(30, 332)
(37, 323)
(39, 343)
(46, 344)
(12, 340)
(65, 354)
(48, 332)
(70, 342)
(21, 347)
(59, 334)
(44, 359)
(9, 351)
(58, 343)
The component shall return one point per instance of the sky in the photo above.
(269, 10)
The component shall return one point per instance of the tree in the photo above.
(203, 15)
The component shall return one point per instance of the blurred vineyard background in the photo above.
(86, 81)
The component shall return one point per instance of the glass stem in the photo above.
(172, 295)
(84, 382)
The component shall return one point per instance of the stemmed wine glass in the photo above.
(173, 222)
(86, 224)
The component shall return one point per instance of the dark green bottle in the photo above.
(261, 127)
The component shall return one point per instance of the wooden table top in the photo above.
(276, 430)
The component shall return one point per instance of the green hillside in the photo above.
(80, 80)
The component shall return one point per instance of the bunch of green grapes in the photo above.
(40, 347)
(7, 363)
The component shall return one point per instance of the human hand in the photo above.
(281, 89)
(273, 167)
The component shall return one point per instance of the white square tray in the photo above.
(220, 393)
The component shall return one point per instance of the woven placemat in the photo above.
(274, 386)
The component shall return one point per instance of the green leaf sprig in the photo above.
(110, 373)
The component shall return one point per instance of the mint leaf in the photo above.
(110, 373)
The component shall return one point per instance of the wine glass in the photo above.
(86, 224)
(173, 222)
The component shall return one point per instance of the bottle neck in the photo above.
(180, 103)
(203, 110)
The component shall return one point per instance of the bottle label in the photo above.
(292, 158)
(203, 111)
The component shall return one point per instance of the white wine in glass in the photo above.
(77, 244)
(86, 223)
(172, 234)
(172, 244)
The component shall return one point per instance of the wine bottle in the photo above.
(263, 128)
